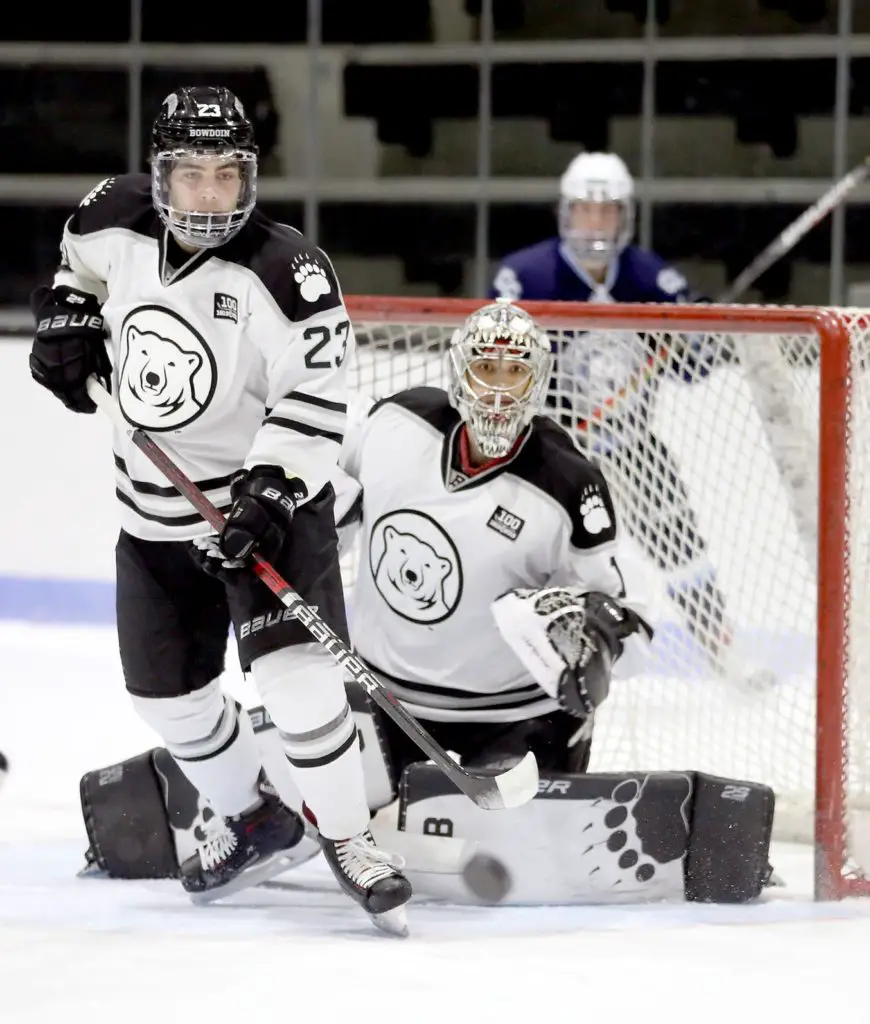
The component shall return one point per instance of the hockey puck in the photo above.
(487, 878)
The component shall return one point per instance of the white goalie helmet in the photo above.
(499, 365)
(596, 180)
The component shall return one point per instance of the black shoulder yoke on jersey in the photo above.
(299, 276)
(121, 202)
(429, 404)
(549, 461)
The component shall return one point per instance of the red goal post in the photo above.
(797, 376)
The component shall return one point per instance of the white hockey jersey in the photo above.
(438, 546)
(231, 357)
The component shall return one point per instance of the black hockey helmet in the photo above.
(205, 129)
(202, 117)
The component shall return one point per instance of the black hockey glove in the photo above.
(69, 344)
(206, 552)
(264, 503)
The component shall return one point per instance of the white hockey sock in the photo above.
(303, 691)
(211, 741)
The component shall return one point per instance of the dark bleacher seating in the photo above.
(442, 241)
(65, 24)
(443, 237)
(38, 232)
(433, 251)
(802, 11)
(507, 15)
(66, 120)
(62, 120)
(764, 98)
(389, 21)
(259, 21)
(512, 15)
(639, 9)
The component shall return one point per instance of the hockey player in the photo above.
(592, 259)
(489, 596)
(605, 383)
(229, 340)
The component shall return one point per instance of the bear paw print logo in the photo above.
(622, 841)
(311, 278)
(595, 516)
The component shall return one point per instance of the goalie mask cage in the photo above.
(736, 442)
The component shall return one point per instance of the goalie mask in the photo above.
(499, 365)
(596, 208)
(203, 165)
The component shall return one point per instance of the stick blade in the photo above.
(519, 784)
(511, 788)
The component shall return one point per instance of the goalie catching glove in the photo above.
(568, 640)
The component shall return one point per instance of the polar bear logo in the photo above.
(415, 567)
(159, 372)
(166, 374)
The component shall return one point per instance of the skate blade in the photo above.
(262, 871)
(393, 922)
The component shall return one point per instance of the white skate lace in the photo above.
(217, 848)
(363, 862)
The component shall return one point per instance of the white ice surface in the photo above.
(107, 951)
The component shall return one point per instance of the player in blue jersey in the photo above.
(605, 383)
(592, 259)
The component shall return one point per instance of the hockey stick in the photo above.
(789, 434)
(511, 788)
(794, 232)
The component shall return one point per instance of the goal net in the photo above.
(736, 441)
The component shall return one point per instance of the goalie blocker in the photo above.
(599, 838)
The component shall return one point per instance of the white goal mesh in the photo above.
(718, 429)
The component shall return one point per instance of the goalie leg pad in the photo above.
(727, 858)
(143, 817)
(125, 818)
(605, 838)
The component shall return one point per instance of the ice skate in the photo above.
(372, 877)
(245, 850)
